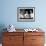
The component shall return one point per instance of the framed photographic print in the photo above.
(26, 14)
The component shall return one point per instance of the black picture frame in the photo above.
(26, 14)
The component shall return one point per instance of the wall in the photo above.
(9, 13)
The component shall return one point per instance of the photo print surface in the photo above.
(26, 14)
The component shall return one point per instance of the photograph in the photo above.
(25, 14)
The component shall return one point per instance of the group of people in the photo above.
(26, 15)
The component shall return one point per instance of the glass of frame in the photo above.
(26, 14)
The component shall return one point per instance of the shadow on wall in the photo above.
(2, 26)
